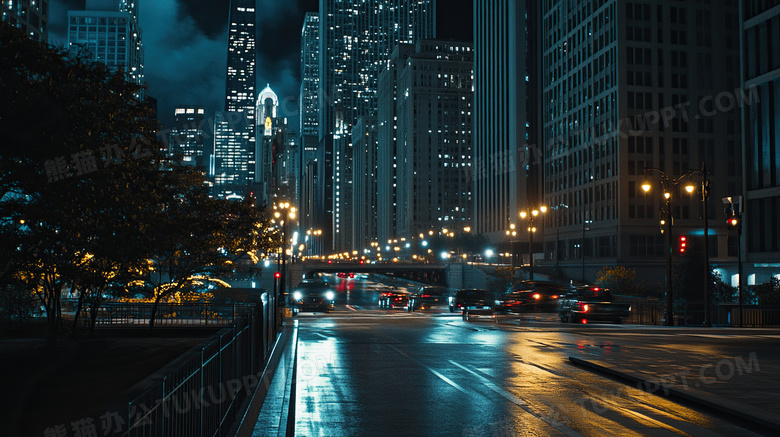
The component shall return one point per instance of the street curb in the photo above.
(661, 388)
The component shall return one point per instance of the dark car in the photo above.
(393, 300)
(585, 304)
(474, 299)
(531, 296)
(428, 298)
(313, 296)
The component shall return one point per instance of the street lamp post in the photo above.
(285, 212)
(667, 184)
(531, 215)
(511, 232)
(557, 209)
(705, 193)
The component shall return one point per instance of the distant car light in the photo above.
(537, 296)
(330, 295)
(297, 295)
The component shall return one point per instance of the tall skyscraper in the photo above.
(108, 32)
(505, 112)
(232, 158)
(236, 141)
(312, 156)
(432, 130)
(186, 139)
(31, 16)
(630, 86)
(356, 39)
(277, 153)
(761, 137)
(365, 187)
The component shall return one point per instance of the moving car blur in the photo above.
(393, 300)
(471, 299)
(531, 296)
(428, 298)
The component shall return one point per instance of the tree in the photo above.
(768, 293)
(195, 235)
(76, 147)
(620, 280)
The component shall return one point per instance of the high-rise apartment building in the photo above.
(630, 86)
(312, 156)
(185, 141)
(31, 16)
(108, 32)
(426, 143)
(505, 114)
(761, 137)
(356, 39)
(237, 132)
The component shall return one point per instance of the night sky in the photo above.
(185, 43)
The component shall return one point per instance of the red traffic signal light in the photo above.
(277, 275)
(733, 221)
(683, 244)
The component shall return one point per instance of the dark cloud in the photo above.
(185, 44)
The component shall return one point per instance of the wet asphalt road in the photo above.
(369, 372)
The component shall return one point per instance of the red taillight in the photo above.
(555, 296)
(583, 307)
(584, 321)
(425, 295)
(537, 296)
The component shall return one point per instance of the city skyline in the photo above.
(174, 69)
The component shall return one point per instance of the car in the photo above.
(428, 298)
(587, 303)
(393, 300)
(531, 296)
(471, 299)
(313, 295)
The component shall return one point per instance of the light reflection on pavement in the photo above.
(366, 372)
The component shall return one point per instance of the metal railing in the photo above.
(126, 314)
(201, 394)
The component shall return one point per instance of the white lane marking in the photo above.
(522, 404)
(350, 307)
(323, 336)
(491, 385)
(442, 377)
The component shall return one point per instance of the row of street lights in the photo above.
(667, 185)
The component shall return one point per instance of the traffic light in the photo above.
(732, 222)
(683, 244)
(277, 275)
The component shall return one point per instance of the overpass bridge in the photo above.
(452, 275)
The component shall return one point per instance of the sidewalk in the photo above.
(275, 414)
(745, 387)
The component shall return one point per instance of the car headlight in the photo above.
(330, 295)
(297, 295)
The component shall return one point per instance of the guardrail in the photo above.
(756, 317)
(125, 314)
(202, 392)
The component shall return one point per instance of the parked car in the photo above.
(531, 296)
(476, 299)
(586, 304)
(428, 298)
(393, 300)
(313, 295)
